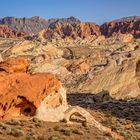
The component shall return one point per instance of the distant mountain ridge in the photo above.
(130, 18)
(72, 26)
(33, 24)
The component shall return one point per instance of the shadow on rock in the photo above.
(125, 109)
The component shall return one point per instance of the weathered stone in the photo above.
(33, 24)
(22, 47)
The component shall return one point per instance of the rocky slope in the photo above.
(108, 64)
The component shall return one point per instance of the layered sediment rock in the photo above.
(121, 81)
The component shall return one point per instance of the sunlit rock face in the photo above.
(121, 81)
(81, 57)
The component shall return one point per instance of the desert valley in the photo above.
(64, 79)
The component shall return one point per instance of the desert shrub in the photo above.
(67, 132)
(56, 128)
(107, 134)
(84, 124)
(64, 120)
(36, 120)
(29, 138)
(5, 128)
(16, 132)
(76, 131)
(13, 122)
(54, 137)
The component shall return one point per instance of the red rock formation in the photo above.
(67, 27)
(6, 32)
(14, 65)
(22, 93)
(125, 26)
(74, 30)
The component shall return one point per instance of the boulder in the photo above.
(128, 38)
(22, 94)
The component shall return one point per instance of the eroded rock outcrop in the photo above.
(125, 25)
(41, 95)
(22, 93)
(14, 65)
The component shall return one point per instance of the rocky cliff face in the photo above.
(34, 24)
(125, 25)
(121, 81)
(24, 95)
(100, 73)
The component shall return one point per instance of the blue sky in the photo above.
(98, 11)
